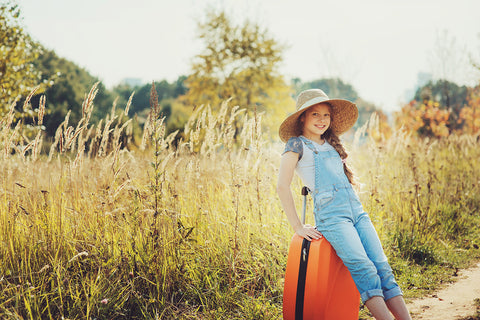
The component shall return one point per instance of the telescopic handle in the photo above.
(304, 194)
(304, 190)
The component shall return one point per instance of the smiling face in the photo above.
(316, 120)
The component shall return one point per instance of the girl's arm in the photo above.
(285, 177)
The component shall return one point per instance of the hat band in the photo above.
(313, 101)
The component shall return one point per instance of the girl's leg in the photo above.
(378, 309)
(373, 247)
(375, 253)
(398, 308)
(344, 238)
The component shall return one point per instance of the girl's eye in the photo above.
(316, 114)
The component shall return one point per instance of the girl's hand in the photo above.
(308, 232)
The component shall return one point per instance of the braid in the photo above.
(335, 142)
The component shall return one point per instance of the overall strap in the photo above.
(317, 159)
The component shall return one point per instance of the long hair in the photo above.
(335, 142)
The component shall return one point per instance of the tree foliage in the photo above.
(68, 85)
(239, 62)
(470, 115)
(427, 119)
(441, 108)
(175, 113)
(26, 64)
(449, 96)
(141, 100)
(18, 51)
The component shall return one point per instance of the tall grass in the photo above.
(191, 228)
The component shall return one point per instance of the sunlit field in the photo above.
(191, 227)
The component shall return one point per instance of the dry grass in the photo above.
(192, 228)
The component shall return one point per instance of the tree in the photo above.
(67, 86)
(18, 51)
(449, 96)
(141, 100)
(176, 114)
(449, 59)
(238, 63)
(470, 114)
(427, 119)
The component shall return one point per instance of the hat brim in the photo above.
(344, 114)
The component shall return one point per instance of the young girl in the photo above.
(315, 152)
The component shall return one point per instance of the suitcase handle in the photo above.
(305, 191)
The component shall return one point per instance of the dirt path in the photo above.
(452, 302)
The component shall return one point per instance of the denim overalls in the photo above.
(339, 216)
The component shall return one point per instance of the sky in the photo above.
(379, 46)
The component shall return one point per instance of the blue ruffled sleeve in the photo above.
(294, 144)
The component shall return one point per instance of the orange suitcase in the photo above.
(318, 286)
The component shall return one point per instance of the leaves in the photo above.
(432, 119)
(470, 114)
(18, 52)
(425, 119)
(239, 62)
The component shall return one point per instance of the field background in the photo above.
(195, 230)
(158, 200)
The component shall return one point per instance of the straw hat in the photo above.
(344, 113)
